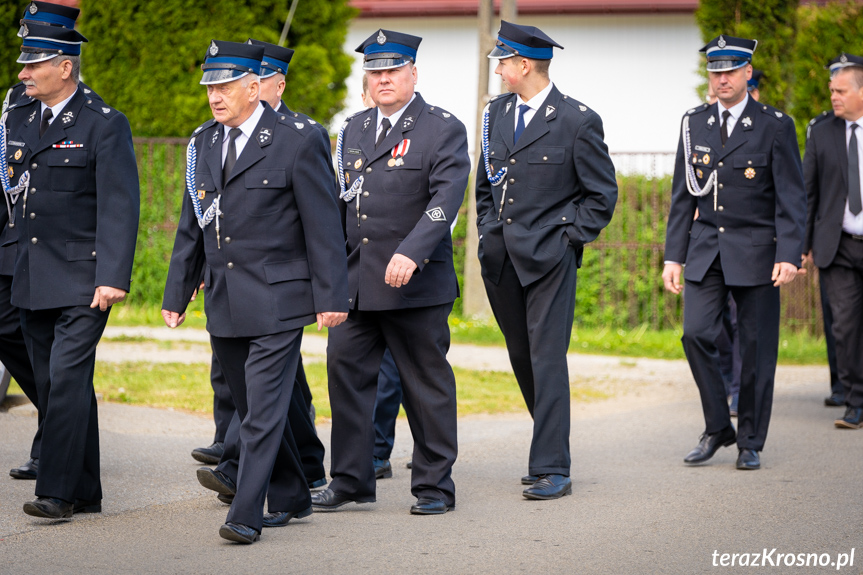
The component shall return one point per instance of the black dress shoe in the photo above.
(529, 479)
(318, 483)
(551, 486)
(430, 506)
(383, 469)
(239, 533)
(26, 471)
(210, 454)
(835, 400)
(329, 500)
(49, 508)
(87, 506)
(748, 459)
(853, 418)
(281, 518)
(226, 499)
(710, 444)
(217, 481)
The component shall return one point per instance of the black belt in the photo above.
(853, 236)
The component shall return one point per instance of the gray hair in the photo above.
(76, 65)
(249, 78)
(856, 75)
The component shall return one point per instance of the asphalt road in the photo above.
(636, 508)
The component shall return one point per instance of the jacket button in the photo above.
(365, 241)
(774, 240)
(512, 180)
(230, 265)
(720, 186)
(721, 164)
(749, 162)
(66, 161)
(34, 241)
(368, 170)
(350, 300)
(425, 261)
(266, 182)
(11, 225)
(545, 158)
(228, 240)
(32, 190)
(509, 220)
(492, 153)
(32, 215)
(34, 165)
(365, 194)
(93, 253)
(364, 217)
(721, 230)
(512, 160)
(510, 201)
(721, 208)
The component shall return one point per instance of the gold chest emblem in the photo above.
(749, 173)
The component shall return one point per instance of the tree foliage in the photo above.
(773, 23)
(10, 43)
(144, 56)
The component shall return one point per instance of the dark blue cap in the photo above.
(752, 83)
(387, 49)
(276, 58)
(526, 41)
(48, 14)
(843, 60)
(726, 53)
(229, 61)
(43, 42)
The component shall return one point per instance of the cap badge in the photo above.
(33, 8)
(436, 215)
(549, 110)
(18, 154)
(749, 173)
(747, 121)
(213, 48)
(25, 31)
(711, 120)
(381, 38)
(843, 58)
(721, 42)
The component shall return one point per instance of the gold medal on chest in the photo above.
(705, 159)
(391, 162)
(749, 173)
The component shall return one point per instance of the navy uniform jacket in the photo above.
(281, 259)
(561, 187)
(825, 171)
(405, 209)
(760, 211)
(8, 237)
(81, 224)
(283, 109)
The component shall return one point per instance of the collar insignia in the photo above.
(549, 110)
(747, 121)
(711, 120)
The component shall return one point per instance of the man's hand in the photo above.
(172, 318)
(783, 273)
(330, 319)
(399, 271)
(105, 296)
(671, 278)
(805, 260)
(195, 293)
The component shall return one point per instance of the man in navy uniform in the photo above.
(261, 220)
(738, 164)
(76, 220)
(274, 67)
(13, 351)
(834, 227)
(404, 168)
(545, 187)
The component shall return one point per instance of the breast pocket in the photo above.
(545, 168)
(68, 170)
(405, 177)
(750, 170)
(265, 191)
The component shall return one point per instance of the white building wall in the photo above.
(639, 72)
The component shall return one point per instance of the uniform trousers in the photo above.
(299, 425)
(260, 372)
(836, 387)
(843, 280)
(419, 339)
(13, 354)
(62, 347)
(758, 328)
(387, 403)
(224, 409)
(536, 321)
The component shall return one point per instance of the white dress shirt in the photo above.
(247, 128)
(534, 104)
(736, 111)
(850, 223)
(56, 109)
(394, 117)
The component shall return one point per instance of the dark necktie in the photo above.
(725, 115)
(385, 127)
(854, 202)
(231, 158)
(519, 125)
(46, 117)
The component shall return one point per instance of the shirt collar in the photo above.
(248, 127)
(858, 121)
(394, 117)
(736, 110)
(537, 100)
(56, 109)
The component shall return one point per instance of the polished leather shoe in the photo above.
(529, 479)
(835, 400)
(217, 481)
(226, 499)
(49, 507)
(239, 533)
(853, 418)
(551, 486)
(383, 469)
(430, 506)
(281, 518)
(329, 500)
(409, 464)
(211, 454)
(748, 459)
(709, 444)
(26, 471)
(317, 483)
(732, 406)
(87, 506)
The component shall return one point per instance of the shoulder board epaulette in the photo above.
(820, 117)
(772, 112)
(293, 121)
(91, 95)
(439, 112)
(204, 126)
(101, 107)
(575, 103)
(501, 97)
(697, 109)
